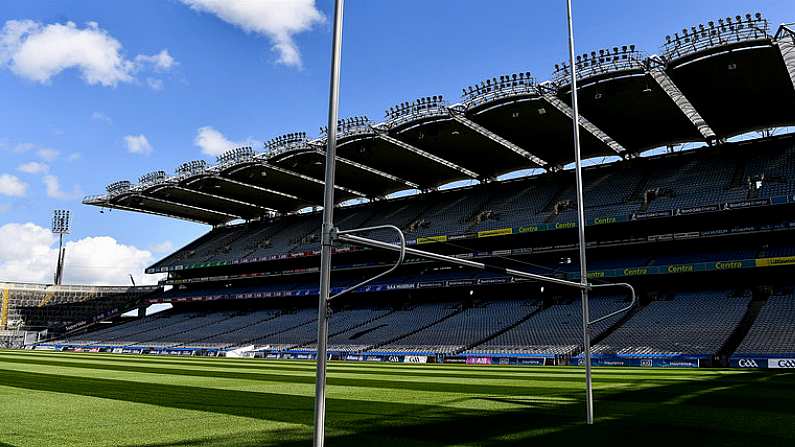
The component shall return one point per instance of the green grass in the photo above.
(60, 399)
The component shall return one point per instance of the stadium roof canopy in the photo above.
(709, 83)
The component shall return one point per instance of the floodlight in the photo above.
(61, 222)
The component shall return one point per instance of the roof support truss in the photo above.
(225, 199)
(299, 176)
(145, 211)
(786, 44)
(461, 118)
(409, 184)
(227, 216)
(386, 137)
(249, 186)
(657, 72)
(589, 127)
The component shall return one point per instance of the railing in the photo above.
(599, 63)
(490, 90)
(191, 168)
(428, 107)
(95, 198)
(724, 32)
(349, 127)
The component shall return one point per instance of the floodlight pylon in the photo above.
(61, 225)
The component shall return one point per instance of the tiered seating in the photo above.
(169, 335)
(773, 332)
(776, 165)
(197, 338)
(681, 181)
(262, 333)
(554, 331)
(340, 321)
(464, 328)
(392, 326)
(57, 307)
(694, 324)
(131, 332)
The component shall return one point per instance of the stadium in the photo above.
(459, 355)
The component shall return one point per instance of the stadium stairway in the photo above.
(233, 329)
(402, 336)
(253, 341)
(503, 330)
(640, 188)
(620, 322)
(741, 331)
(185, 330)
(158, 316)
(738, 178)
(555, 198)
(313, 344)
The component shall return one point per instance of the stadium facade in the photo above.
(704, 234)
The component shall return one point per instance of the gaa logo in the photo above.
(747, 363)
(786, 363)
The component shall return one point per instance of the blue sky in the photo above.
(231, 80)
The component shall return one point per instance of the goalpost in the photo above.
(330, 234)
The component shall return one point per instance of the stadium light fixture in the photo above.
(61, 225)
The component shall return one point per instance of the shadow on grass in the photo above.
(752, 408)
(306, 377)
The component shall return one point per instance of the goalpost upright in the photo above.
(329, 234)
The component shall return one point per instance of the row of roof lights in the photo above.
(118, 187)
(191, 167)
(504, 82)
(236, 154)
(712, 29)
(290, 139)
(153, 177)
(604, 58)
(419, 106)
(750, 25)
(350, 125)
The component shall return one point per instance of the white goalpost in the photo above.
(330, 234)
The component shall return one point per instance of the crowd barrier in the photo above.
(780, 361)
(763, 361)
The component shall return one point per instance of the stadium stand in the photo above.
(688, 323)
(461, 329)
(773, 332)
(705, 234)
(554, 331)
(686, 180)
(61, 308)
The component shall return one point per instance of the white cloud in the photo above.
(163, 247)
(39, 52)
(155, 84)
(28, 253)
(99, 116)
(4, 207)
(74, 156)
(23, 147)
(47, 154)
(213, 142)
(161, 61)
(53, 186)
(33, 167)
(278, 20)
(138, 144)
(12, 186)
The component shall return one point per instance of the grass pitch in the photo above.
(60, 399)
